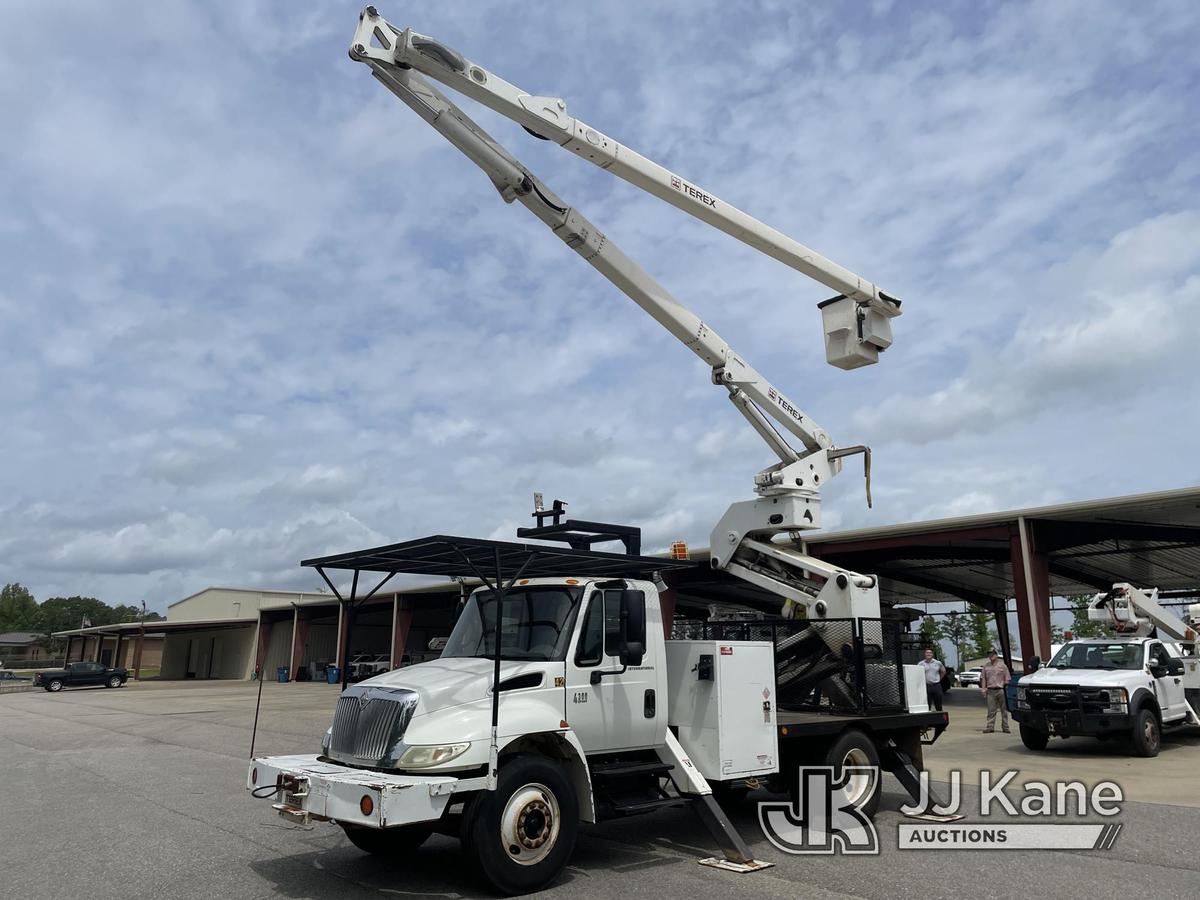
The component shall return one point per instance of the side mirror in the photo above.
(1158, 671)
(632, 645)
(1174, 666)
(1034, 664)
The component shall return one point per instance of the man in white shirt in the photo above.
(934, 673)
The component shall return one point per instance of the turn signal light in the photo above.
(366, 805)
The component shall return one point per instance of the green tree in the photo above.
(983, 636)
(956, 630)
(931, 634)
(1081, 625)
(18, 609)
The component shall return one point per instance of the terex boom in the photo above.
(561, 696)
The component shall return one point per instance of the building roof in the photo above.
(19, 637)
(303, 596)
(1146, 539)
(160, 628)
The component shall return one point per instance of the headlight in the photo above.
(1020, 693)
(431, 755)
(1118, 701)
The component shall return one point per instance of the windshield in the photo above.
(1077, 655)
(536, 624)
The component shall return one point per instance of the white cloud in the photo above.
(252, 311)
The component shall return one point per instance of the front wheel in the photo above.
(1034, 739)
(114, 682)
(55, 686)
(388, 841)
(522, 834)
(1146, 734)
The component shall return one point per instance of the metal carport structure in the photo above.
(1030, 555)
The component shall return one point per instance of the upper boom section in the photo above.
(856, 322)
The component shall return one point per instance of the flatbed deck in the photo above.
(797, 724)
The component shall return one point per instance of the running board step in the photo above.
(621, 769)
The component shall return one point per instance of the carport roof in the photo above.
(127, 628)
(450, 556)
(1147, 539)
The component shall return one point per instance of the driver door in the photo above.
(1169, 688)
(621, 712)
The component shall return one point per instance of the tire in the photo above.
(388, 842)
(1033, 738)
(520, 836)
(55, 686)
(1147, 733)
(853, 748)
(114, 682)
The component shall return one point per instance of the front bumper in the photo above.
(309, 789)
(1073, 721)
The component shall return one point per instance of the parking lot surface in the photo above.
(138, 792)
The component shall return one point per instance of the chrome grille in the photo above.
(367, 720)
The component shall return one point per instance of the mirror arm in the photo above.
(599, 674)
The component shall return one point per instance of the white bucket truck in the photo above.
(558, 698)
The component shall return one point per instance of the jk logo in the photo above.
(825, 819)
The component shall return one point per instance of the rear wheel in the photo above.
(387, 841)
(1147, 734)
(862, 789)
(521, 835)
(55, 685)
(1033, 738)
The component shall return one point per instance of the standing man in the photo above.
(934, 673)
(992, 683)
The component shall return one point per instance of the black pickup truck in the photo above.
(77, 673)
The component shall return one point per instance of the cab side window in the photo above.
(591, 635)
(1157, 655)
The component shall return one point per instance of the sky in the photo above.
(252, 310)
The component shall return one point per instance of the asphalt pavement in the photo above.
(138, 792)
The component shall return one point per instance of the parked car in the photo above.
(6, 675)
(970, 677)
(79, 673)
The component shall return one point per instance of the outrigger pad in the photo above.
(729, 866)
(935, 817)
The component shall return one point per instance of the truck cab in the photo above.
(1110, 687)
(561, 673)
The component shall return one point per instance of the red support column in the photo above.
(1031, 583)
(666, 603)
(402, 615)
(299, 639)
(264, 638)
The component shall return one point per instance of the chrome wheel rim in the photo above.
(858, 784)
(529, 824)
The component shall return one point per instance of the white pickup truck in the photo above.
(1131, 687)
